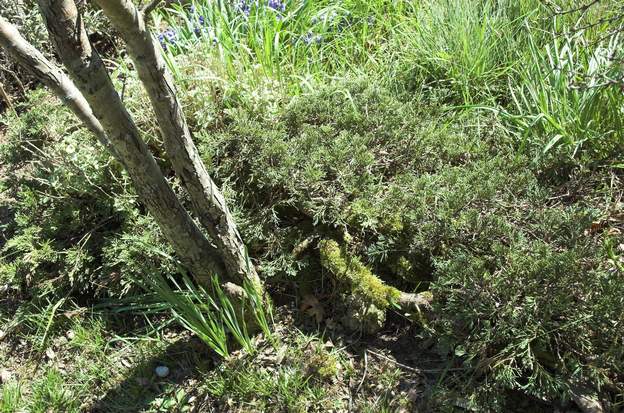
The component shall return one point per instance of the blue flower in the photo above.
(307, 38)
(244, 6)
(161, 40)
(169, 36)
(201, 21)
(277, 5)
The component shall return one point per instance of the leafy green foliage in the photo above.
(457, 204)
(75, 215)
(511, 216)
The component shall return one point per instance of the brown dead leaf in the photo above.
(595, 227)
(311, 307)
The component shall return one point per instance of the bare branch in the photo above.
(154, 4)
(150, 7)
(53, 77)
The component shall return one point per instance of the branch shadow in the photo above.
(142, 390)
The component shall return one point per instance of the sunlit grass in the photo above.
(307, 40)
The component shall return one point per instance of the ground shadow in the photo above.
(187, 359)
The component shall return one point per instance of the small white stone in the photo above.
(162, 371)
(5, 376)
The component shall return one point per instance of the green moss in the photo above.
(361, 315)
(427, 295)
(353, 272)
(322, 363)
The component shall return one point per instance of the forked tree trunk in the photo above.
(90, 76)
(208, 201)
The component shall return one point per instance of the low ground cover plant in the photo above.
(470, 150)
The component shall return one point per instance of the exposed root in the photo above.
(586, 399)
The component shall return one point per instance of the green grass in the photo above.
(100, 364)
(309, 40)
(470, 148)
(467, 49)
(11, 397)
(561, 100)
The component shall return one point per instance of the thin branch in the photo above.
(150, 7)
(582, 8)
(53, 77)
(5, 96)
(413, 369)
(154, 4)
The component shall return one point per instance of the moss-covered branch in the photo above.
(363, 282)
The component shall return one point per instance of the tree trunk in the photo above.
(53, 77)
(208, 202)
(86, 68)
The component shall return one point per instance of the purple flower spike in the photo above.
(307, 38)
(170, 35)
(244, 6)
(162, 41)
(277, 5)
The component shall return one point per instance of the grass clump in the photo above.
(563, 101)
(10, 397)
(51, 394)
(463, 51)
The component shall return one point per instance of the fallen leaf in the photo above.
(281, 354)
(311, 306)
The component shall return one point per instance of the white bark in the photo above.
(90, 76)
(208, 202)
